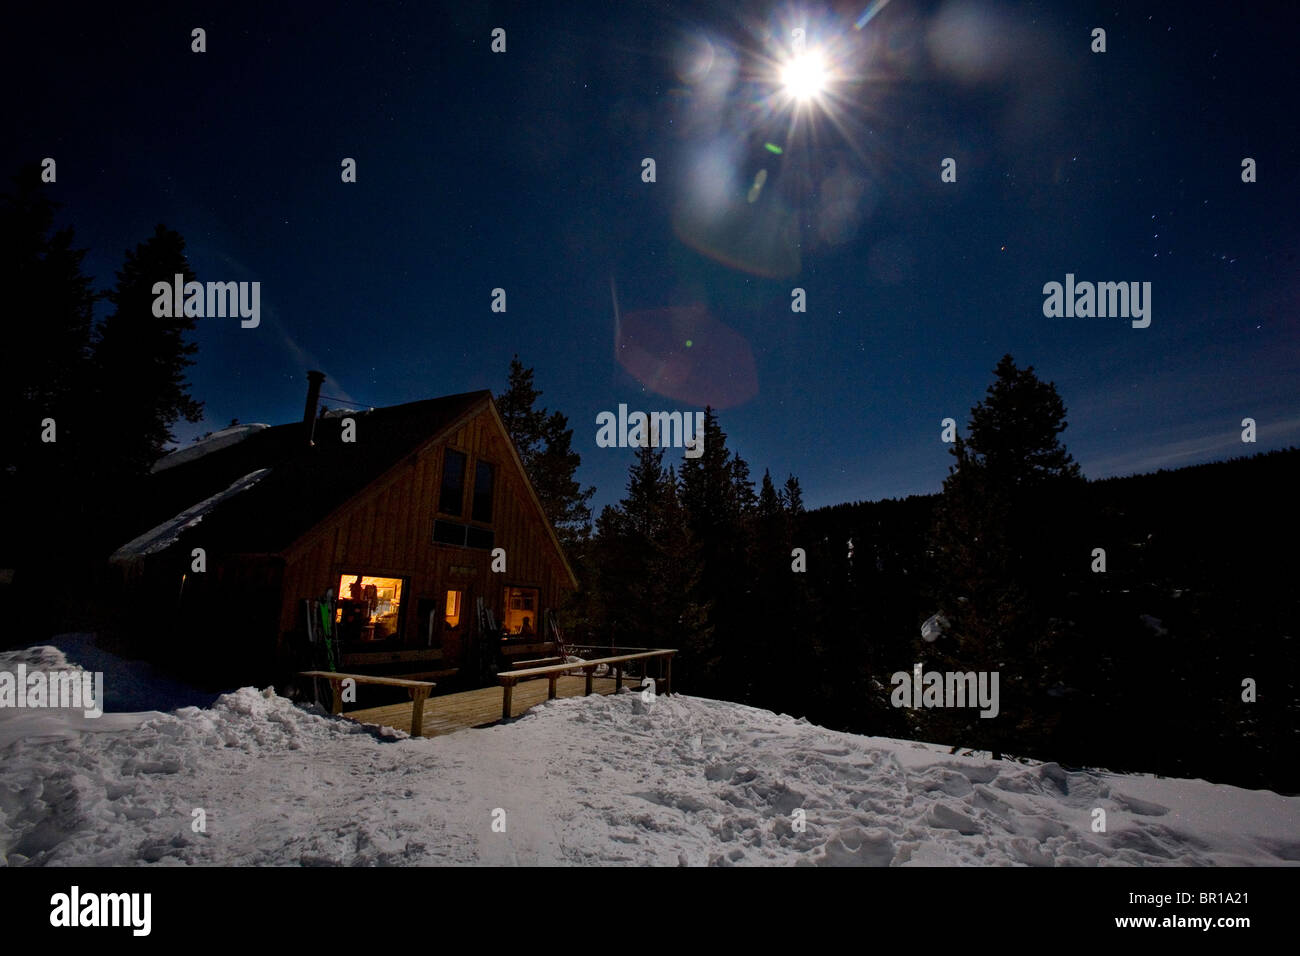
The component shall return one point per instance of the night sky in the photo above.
(523, 170)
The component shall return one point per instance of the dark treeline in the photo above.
(694, 558)
(1198, 594)
(90, 404)
(1139, 667)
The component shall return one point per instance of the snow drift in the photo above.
(605, 780)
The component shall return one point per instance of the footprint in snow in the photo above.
(1141, 807)
(858, 848)
(944, 817)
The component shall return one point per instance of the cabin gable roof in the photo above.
(303, 486)
(485, 408)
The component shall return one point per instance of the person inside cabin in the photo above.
(527, 627)
(356, 589)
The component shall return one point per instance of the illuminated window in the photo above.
(369, 607)
(521, 611)
(451, 613)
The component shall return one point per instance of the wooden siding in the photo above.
(387, 530)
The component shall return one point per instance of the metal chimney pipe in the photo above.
(314, 381)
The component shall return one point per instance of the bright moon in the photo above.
(804, 76)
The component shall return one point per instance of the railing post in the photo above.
(588, 671)
(550, 695)
(668, 680)
(618, 677)
(418, 694)
(506, 692)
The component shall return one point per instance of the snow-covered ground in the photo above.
(681, 780)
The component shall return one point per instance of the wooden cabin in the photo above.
(418, 517)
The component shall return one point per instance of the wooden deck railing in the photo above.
(418, 689)
(553, 672)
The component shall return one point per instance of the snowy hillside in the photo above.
(586, 780)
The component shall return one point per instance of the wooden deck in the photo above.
(474, 708)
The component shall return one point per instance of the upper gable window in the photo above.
(451, 500)
(482, 508)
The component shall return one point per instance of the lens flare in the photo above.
(782, 156)
(804, 77)
(684, 353)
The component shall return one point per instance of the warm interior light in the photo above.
(368, 606)
(452, 611)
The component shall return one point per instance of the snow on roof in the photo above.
(166, 534)
(217, 440)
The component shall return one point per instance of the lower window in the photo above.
(370, 607)
(521, 611)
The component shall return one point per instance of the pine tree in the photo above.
(771, 621)
(1014, 430)
(52, 299)
(544, 442)
(562, 496)
(645, 569)
(717, 493)
(643, 506)
(685, 619)
(140, 362)
(606, 580)
(524, 422)
(43, 373)
(625, 547)
(792, 497)
(801, 644)
(718, 498)
(1002, 539)
(771, 512)
(676, 614)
